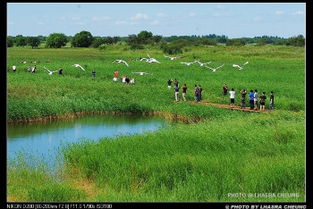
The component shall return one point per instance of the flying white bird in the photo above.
(78, 65)
(186, 63)
(141, 73)
(214, 69)
(50, 72)
(121, 61)
(201, 63)
(239, 67)
(171, 58)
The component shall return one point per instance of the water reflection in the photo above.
(42, 140)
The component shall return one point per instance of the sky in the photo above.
(234, 20)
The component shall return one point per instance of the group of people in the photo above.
(125, 79)
(197, 91)
(33, 69)
(256, 101)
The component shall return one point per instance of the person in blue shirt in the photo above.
(251, 97)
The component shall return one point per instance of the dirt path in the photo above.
(89, 187)
(225, 106)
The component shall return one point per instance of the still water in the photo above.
(43, 140)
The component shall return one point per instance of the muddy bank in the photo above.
(71, 116)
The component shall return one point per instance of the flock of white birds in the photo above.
(201, 64)
(153, 60)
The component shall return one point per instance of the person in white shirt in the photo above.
(232, 97)
(123, 79)
(255, 98)
(14, 68)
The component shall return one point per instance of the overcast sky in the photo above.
(234, 20)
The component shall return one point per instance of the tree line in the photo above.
(170, 45)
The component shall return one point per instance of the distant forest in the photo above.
(171, 44)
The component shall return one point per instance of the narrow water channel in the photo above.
(42, 141)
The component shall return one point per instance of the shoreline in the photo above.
(166, 115)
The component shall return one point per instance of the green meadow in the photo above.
(225, 152)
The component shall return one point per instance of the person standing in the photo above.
(14, 68)
(255, 99)
(93, 74)
(176, 91)
(243, 93)
(61, 71)
(169, 83)
(176, 83)
(251, 99)
(271, 101)
(196, 93)
(115, 78)
(232, 97)
(34, 69)
(262, 101)
(184, 88)
(225, 87)
(200, 92)
(127, 80)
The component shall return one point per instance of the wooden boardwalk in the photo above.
(226, 106)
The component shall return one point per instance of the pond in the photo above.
(42, 141)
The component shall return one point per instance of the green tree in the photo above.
(157, 38)
(296, 41)
(10, 41)
(235, 42)
(20, 40)
(56, 40)
(175, 47)
(134, 42)
(82, 39)
(97, 42)
(144, 37)
(33, 41)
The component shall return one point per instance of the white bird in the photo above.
(141, 73)
(171, 58)
(186, 63)
(121, 61)
(214, 69)
(152, 60)
(239, 67)
(201, 63)
(78, 65)
(50, 72)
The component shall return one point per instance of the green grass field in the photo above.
(227, 152)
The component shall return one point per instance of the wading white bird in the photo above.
(152, 60)
(121, 61)
(50, 72)
(171, 58)
(239, 67)
(78, 65)
(214, 69)
(186, 63)
(141, 73)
